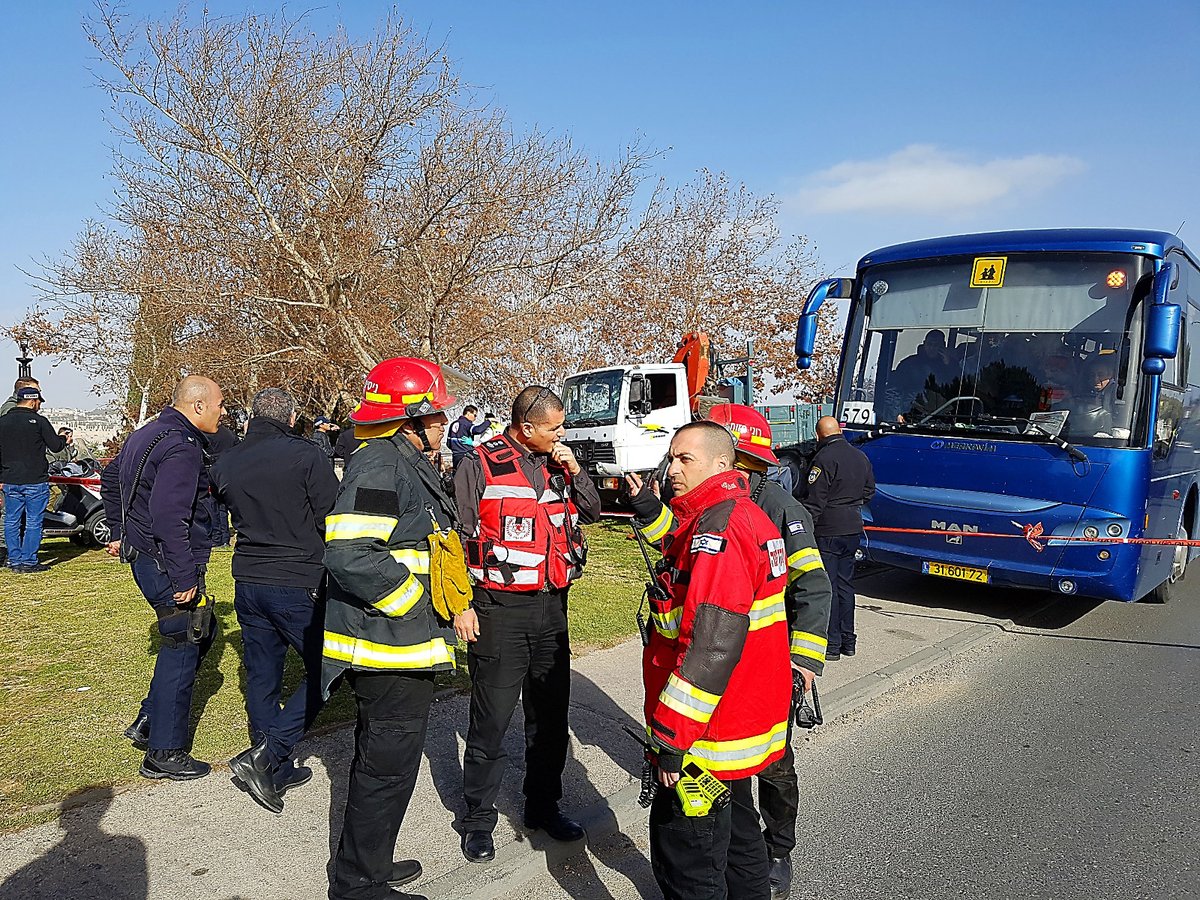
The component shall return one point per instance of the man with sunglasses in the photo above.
(521, 499)
(156, 501)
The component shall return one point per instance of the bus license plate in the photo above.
(950, 570)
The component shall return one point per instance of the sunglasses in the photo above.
(542, 394)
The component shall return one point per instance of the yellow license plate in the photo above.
(951, 570)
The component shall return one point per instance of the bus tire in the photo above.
(1172, 588)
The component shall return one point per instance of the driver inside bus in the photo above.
(918, 379)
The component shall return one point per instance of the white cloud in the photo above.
(922, 178)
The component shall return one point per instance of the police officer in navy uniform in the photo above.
(521, 499)
(840, 481)
(167, 525)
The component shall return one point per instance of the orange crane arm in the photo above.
(694, 353)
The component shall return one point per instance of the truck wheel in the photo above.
(96, 530)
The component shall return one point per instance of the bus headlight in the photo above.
(1067, 586)
(1091, 532)
(1114, 530)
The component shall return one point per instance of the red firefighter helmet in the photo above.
(749, 428)
(402, 388)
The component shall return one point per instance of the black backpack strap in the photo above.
(127, 502)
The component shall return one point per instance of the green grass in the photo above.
(79, 646)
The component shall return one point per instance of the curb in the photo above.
(535, 854)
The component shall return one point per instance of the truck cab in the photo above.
(620, 420)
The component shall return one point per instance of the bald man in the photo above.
(840, 481)
(154, 496)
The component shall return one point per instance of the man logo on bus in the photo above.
(956, 530)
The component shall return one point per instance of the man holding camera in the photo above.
(521, 499)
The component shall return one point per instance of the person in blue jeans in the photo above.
(279, 488)
(26, 437)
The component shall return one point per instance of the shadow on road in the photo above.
(88, 862)
(1030, 609)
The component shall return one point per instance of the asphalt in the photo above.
(206, 839)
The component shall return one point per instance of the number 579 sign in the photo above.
(858, 413)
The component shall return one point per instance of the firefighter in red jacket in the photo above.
(521, 499)
(717, 670)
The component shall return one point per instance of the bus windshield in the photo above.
(1038, 342)
(593, 398)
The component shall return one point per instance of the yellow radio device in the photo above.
(698, 791)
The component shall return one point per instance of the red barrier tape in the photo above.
(1035, 536)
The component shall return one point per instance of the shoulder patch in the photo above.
(777, 556)
(708, 543)
(376, 502)
(813, 474)
(716, 518)
(796, 528)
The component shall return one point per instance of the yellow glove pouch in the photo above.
(448, 577)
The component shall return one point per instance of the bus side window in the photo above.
(1192, 341)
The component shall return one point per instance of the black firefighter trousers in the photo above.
(393, 711)
(720, 856)
(523, 651)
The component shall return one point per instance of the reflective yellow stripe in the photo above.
(767, 611)
(802, 561)
(655, 531)
(805, 643)
(688, 700)
(402, 599)
(668, 623)
(351, 526)
(728, 756)
(758, 439)
(371, 655)
(377, 398)
(415, 398)
(416, 560)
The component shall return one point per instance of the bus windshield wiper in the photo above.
(1070, 449)
(882, 428)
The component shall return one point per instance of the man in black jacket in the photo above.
(279, 488)
(25, 438)
(156, 502)
(840, 481)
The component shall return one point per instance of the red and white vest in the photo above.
(524, 541)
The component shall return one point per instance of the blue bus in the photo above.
(1017, 390)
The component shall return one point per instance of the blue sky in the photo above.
(873, 122)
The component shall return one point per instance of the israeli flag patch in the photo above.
(708, 543)
(796, 528)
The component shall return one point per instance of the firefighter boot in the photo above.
(256, 771)
(781, 878)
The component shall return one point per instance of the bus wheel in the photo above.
(1172, 587)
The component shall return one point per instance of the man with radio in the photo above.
(521, 499)
(716, 669)
(155, 497)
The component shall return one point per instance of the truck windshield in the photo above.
(593, 398)
(1052, 338)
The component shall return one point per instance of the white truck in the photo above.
(620, 419)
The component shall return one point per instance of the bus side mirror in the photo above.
(1162, 336)
(806, 328)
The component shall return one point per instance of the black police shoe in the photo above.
(478, 846)
(398, 894)
(138, 733)
(255, 770)
(404, 871)
(849, 651)
(290, 775)
(555, 824)
(781, 878)
(36, 567)
(831, 655)
(175, 765)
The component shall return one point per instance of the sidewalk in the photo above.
(205, 839)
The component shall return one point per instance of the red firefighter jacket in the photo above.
(525, 541)
(717, 671)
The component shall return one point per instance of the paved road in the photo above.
(1058, 760)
